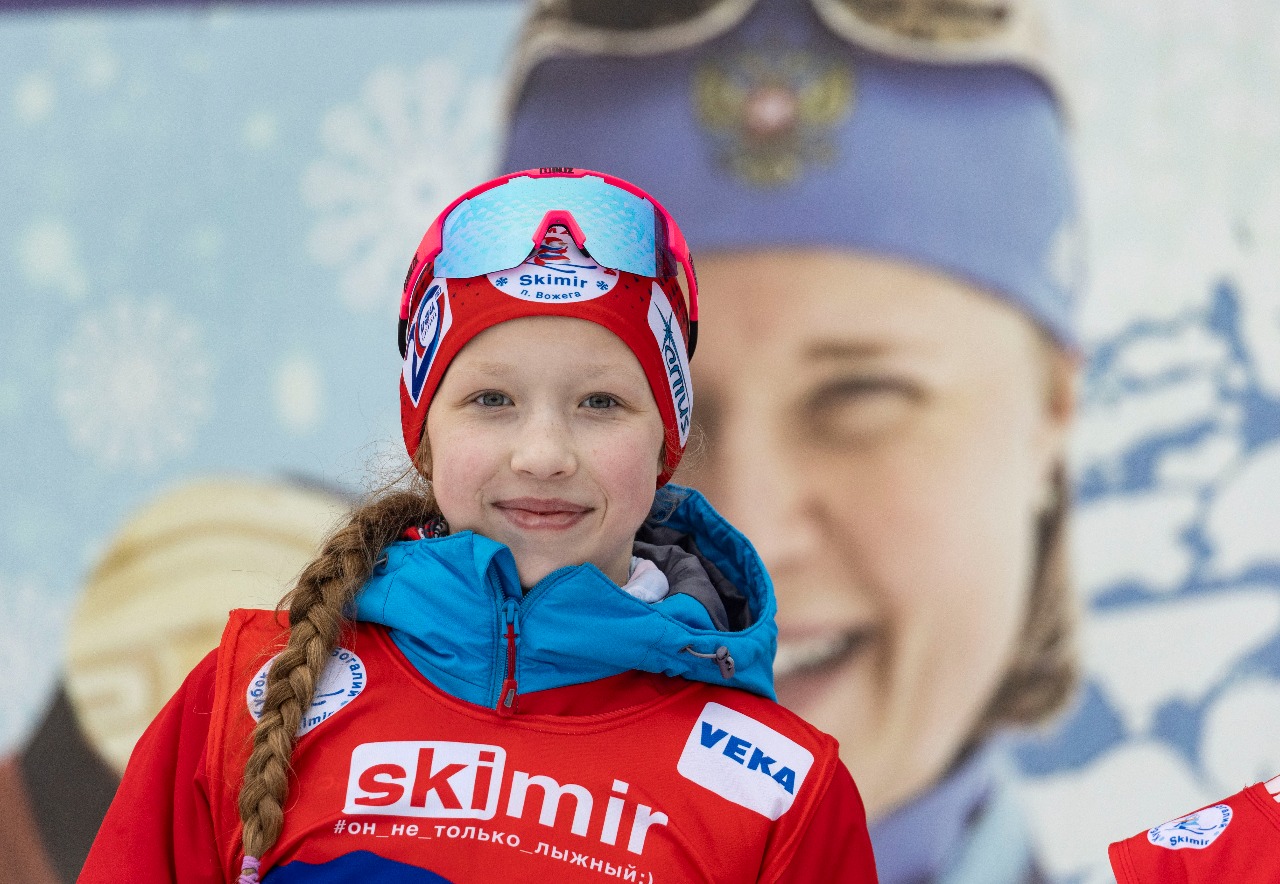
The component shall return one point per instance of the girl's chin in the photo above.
(536, 567)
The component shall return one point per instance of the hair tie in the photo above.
(249, 870)
(434, 527)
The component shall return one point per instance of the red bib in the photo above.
(395, 779)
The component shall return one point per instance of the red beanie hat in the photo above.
(557, 279)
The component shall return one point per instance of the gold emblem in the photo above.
(772, 111)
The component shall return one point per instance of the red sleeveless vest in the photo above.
(394, 777)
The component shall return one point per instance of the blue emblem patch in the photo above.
(430, 324)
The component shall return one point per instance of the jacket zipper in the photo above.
(511, 624)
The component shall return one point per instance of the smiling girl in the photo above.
(530, 665)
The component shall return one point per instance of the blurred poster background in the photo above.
(205, 216)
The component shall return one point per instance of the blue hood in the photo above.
(448, 602)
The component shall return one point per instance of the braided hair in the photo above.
(317, 607)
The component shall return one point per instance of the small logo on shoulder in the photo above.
(341, 682)
(1195, 830)
(744, 761)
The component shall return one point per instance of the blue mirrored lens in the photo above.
(494, 230)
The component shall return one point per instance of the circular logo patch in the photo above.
(431, 323)
(557, 271)
(1195, 830)
(341, 682)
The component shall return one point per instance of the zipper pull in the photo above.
(507, 698)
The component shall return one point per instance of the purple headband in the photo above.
(780, 133)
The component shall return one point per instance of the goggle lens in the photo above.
(496, 230)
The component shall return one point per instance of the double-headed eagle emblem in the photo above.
(772, 111)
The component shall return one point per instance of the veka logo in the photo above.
(744, 761)
(466, 781)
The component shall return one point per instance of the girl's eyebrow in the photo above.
(589, 370)
(493, 368)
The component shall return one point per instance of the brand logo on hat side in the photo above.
(431, 322)
(675, 357)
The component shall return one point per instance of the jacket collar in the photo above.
(454, 606)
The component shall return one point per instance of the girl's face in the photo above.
(885, 436)
(545, 436)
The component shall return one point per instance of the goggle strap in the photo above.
(419, 273)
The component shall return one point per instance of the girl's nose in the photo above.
(544, 449)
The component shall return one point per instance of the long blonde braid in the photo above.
(316, 608)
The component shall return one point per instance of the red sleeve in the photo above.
(836, 847)
(159, 827)
(1232, 840)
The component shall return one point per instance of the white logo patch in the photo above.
(557, 271)
(341, 682)
(431, 779)
(1195, 830)
(675, 357)
(744, 761)
(430, 324)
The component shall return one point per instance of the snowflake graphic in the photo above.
(500, 281)
(601, 284)
(134, 384)
(415, 141)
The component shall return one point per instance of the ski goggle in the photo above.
(955, 31)
(496, 225)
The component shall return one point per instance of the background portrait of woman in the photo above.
(887, 250)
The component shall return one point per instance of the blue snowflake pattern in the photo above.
(601, 284)
(501, 280)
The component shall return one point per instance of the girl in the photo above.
(530, 666)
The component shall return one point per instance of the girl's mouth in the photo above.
(534, 513)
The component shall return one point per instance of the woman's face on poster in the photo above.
(885, 436)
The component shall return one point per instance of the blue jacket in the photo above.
(575, 625)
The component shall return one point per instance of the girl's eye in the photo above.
(492, 399)
(599, 400)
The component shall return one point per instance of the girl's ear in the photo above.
(422, 458)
